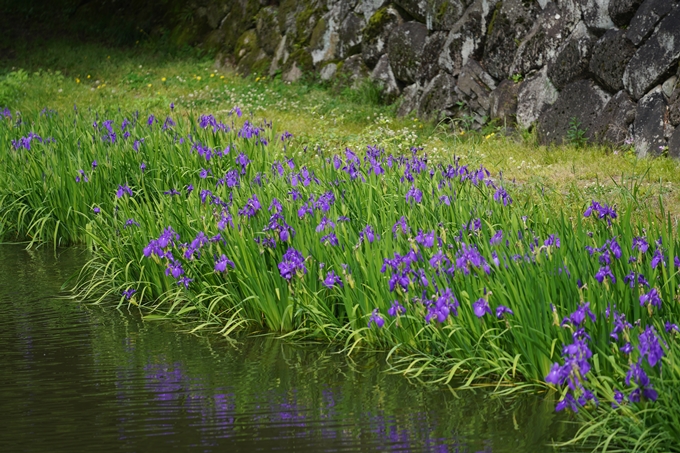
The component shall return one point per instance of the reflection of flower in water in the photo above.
(164, 381)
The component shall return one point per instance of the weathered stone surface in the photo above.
(436, 14)
(293, 74)
(474, 89)
(382, 74)
(542, 43)
(674, 144)
(649, 126)
(377, 32)
(410, 101)
(580, 101)
(510, 23)
(439, 98)
(466, 38)
(657, 57)
(622, 11)
(297, 19)
(504, 102)
(352, 71)
(429, 61)
(572, 60)
(369, 7)
(669, 85)
(646, 18)
(674, 107)
(536, 94)
(611, 54)
(613, 124)
(267, 29)
(324, 43)
(328, 71)
(350, 35)
(596, 14)
(280, 57)
(405, 47)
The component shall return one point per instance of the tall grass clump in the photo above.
(450, 268)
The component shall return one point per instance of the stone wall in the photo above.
(608, 66)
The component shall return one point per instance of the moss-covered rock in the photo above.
(247, 43)
(255, 62)
(509, 24)
(376, 32)
(267, 28)
(297, 19)
(239, 17)
(405, 48)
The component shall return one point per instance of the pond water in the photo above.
(76, 377)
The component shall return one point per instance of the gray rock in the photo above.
(405, 48)
(377, 32)
(504, 102)
(657, 57)
(669, 86)
(328, 71)
(439, 98)
(613, 123)
(267, 29)
(350, 35)
(611, 54)
(352, 71)
(292, 75)
(429, 61)
(596, 14)
(572, 60)
(542, 43)
(646, 18)
(474, 89)
(674, 108)
(436, 14)
(297, 20)
(581, 101)
(369, 7)
(622, 11)
(509, 25)
(536, 95)
(382, 74)
(410, 100)
(280, 57)
(674, 144)
(649, 127)
(466, 38)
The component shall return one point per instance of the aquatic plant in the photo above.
(446, 265)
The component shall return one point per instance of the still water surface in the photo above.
(76, 377)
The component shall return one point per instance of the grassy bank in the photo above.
(252, 204)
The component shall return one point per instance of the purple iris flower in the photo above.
(330, 238)
(291, 262)
(222, 262)
(128, 293)
(649, 346)
(481, 307)
(376, 319)
(396, 308)
(332, 280)
(425, 239)
(652, 298)
(401, 225)
(414, 194)
(603, 273)
(251, 207)
(123, 190)
(367, 234)
(641, 244)
(502, 310)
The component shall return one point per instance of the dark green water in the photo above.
(81, 378)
